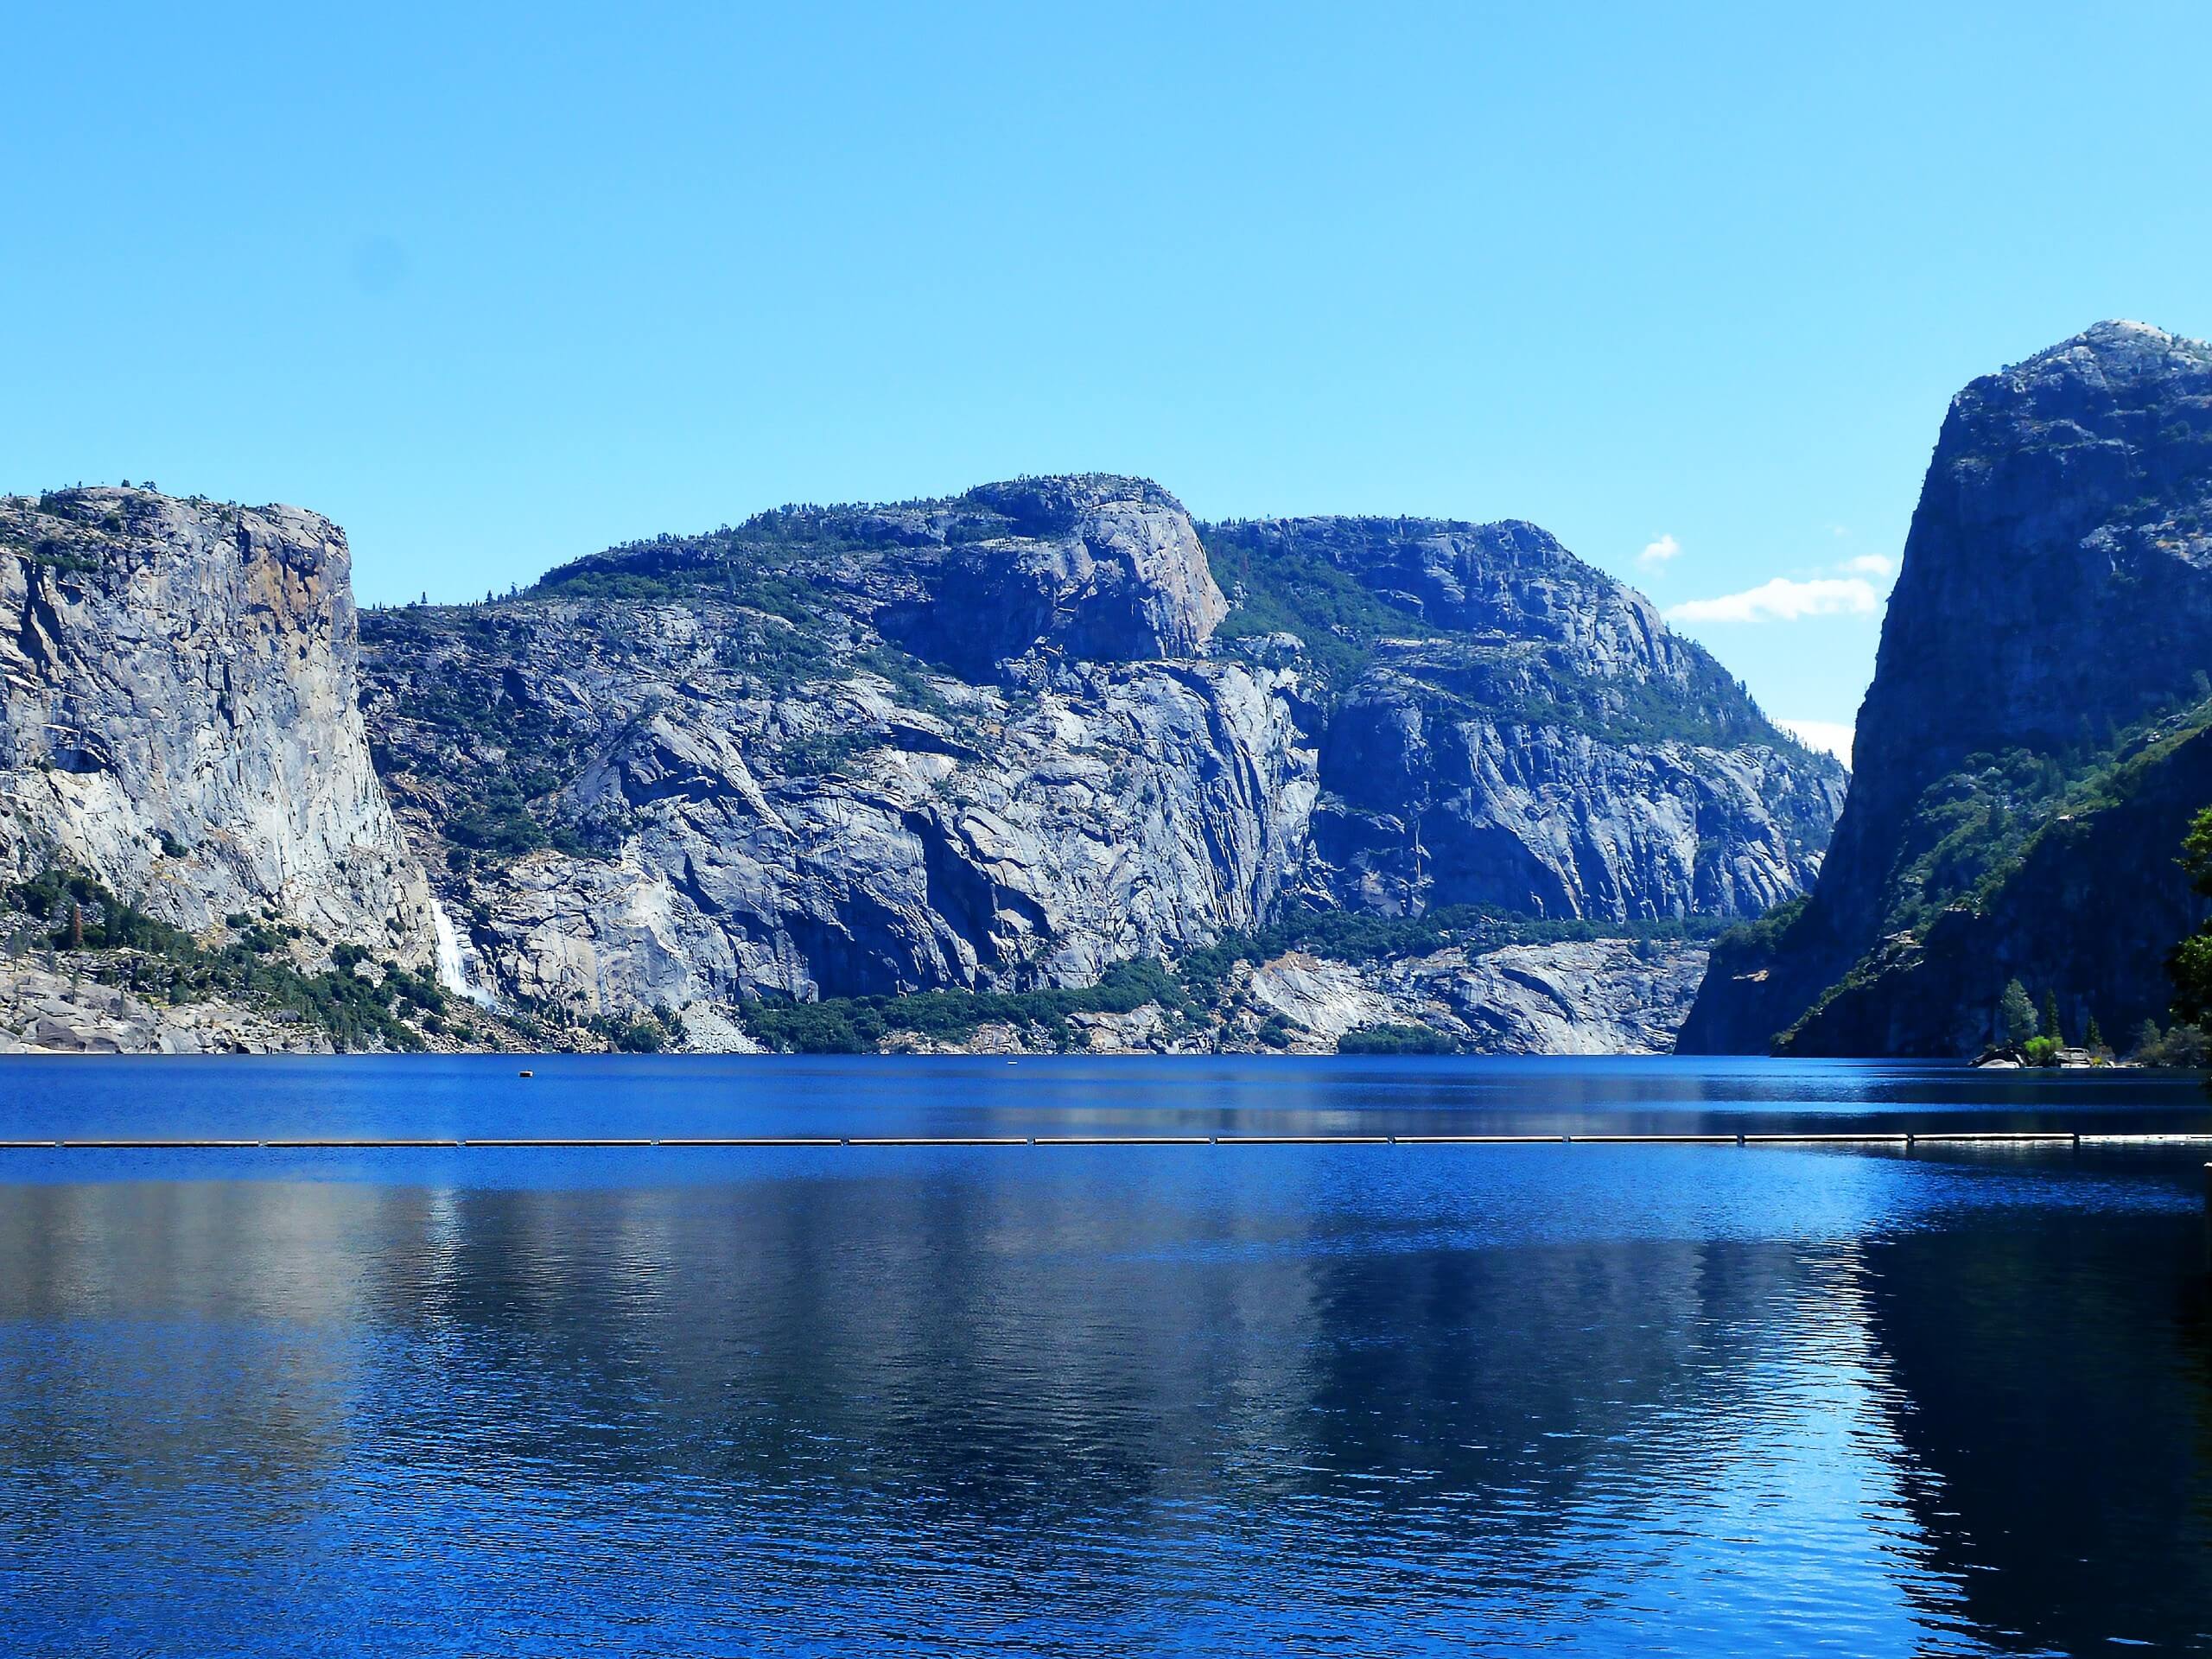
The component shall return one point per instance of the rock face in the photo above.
(1431, 804)
(834, 841)
(1595, 996)
(1095, 569)
(1535, 739)
(1002, 740)
(2045, 647)
(177, 715)
(851, 836)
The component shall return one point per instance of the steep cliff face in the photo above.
(1433, 803)
(1003, 740)
(1531, 735)
(2046, 642)
(746, 779)
(178, 716)
(848, 834)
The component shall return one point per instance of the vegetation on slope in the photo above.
(1975, 827)
(1186, 991)
(1279, 584)
(1395, 1039)
(75, 919)
(861, 1024)
(1335, 617)
(1979, 836)
(2191, 964)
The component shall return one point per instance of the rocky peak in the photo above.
(1092, 567)
(1056, 506)
(2055, 594)
(1509, 726)
(1511, 580)
(2114, 352)
(2057, 577)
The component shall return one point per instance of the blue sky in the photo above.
(493, 288)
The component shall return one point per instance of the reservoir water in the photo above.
(1058, 1399)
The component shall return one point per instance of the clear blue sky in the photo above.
(496, 287)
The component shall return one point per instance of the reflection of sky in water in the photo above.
(1108, 1399)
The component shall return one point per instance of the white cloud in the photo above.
(1659, 552)
(1784, 601)
(1876, 565)
(1832, 736)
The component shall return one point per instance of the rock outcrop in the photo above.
(2020, 755)
(178, 716)
(1594, 997)
(45, 1012)
(1002, 740)
(1095, 568)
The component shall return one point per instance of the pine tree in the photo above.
(2050, 1017)
(2094, 1039)
(76, 925)
(2015, 1015)
(2147, 1041)
(2190, 963)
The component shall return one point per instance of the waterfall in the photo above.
(453, 968)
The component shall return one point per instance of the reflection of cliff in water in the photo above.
(1273, 1389)
(2056, 1384)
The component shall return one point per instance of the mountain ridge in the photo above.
(1000, 741)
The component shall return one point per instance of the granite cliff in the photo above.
(178, 717)
(2029, 750)
(1527, 734)
(1000, 741)
(1044, 762)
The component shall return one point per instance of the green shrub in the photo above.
(2185, 1046)
(1395, 1039)
(860, 1025)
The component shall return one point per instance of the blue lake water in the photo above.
(1582, 1398)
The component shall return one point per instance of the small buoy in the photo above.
(522, 1074)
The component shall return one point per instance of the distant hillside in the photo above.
(1000, 741)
